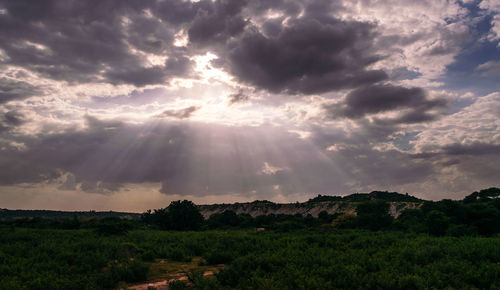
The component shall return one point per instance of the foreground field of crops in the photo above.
(323, 258)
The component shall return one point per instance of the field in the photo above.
(316, 258)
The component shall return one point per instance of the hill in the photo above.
(330, 204)
(374, 195)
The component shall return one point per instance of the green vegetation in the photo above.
(437, 245)
(319, 258)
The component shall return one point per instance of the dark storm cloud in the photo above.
(374, 99)
(179, 12)
(86, 41)
(201, 159)
(307, 56)
(180, 113)
(194, 159)
(94, 41)
(217, 24)
(15, 168)
(16, 90)
(138, 77)
(13, 118)
(473, 149)
(10, 120)
(371, 167)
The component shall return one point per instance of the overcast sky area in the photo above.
(128, 105)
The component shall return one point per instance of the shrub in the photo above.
(218, 257)
(345, 220)
(461, 230)
(177, 285)
(179, 254)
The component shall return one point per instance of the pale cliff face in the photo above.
(264, 208)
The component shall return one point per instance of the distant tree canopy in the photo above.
(361, 197)
(227, 218)
(483, 195)
(179, 215)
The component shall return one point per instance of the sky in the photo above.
(128, 105)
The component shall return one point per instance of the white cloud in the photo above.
(489, 68)
(269, 169)
(477, 123)
(423, 36)
(493, 7)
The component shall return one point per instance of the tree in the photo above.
(411, 220)
(184, 215)
(436, 222)
(373, 215)
(179, 215)
(228, 218)
(325, 218)
(483, 195)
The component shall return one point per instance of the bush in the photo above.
(461, 230)
(345, 220)
(288, 226)
(111, 226)
(177, 285)
(436, 222)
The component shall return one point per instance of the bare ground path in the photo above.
(162, 272)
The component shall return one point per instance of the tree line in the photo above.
(478, 214)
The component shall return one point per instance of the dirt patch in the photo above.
(163, 272)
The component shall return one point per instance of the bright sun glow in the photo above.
(208, 72)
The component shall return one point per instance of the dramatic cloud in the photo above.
(307, 56)
(10, 119)
(217, 24)
(87, 41)
(191, 159)
(13, 90)
(381, 98)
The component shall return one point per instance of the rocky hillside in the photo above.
(330, 204)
